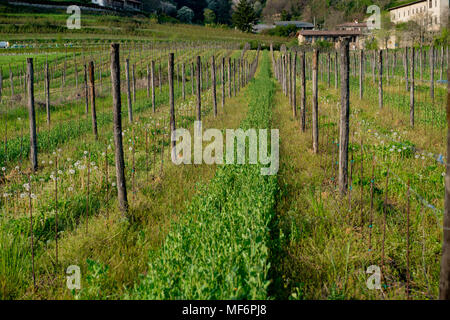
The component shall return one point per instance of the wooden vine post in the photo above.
(199, 93)
(86, 91)
(344, 116)
(294, 85)
(223, 82)
(444, 286)
(361, 74)
(117, 113)
(315, 110)
(303, 90)
(213, 79)
(380, 78)
(92, 94)
(172, 105)
(411, 88)
(432, 73)
(32, 116)
(152, 71)
(47, 93)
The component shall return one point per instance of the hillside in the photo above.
(18, 22)
(327, 13)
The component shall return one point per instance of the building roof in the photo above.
(298, 24)
(406, 4)
(352, 24)
(336, 33)
(262, 26)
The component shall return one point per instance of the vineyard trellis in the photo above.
(396, 94)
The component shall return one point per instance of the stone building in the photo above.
(431, 13)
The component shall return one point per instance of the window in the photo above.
(430, 3)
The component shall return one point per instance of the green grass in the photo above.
(219, 249)
(324, 248)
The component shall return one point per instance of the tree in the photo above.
(210, 16)
(185, 15)
(196, 6)
(222, 9)
(151, 5)
(244, 17)
(258, 7)
(285, 16)
(168, 8)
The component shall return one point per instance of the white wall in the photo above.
(438, 12)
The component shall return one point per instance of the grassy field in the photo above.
(211, 231)
(50, 28)
(328, 241)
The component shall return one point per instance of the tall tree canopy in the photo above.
(222, 9)
(244, 16)
(196, 5)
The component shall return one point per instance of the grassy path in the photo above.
(219, 250)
